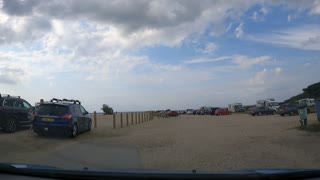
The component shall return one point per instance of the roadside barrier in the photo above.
(121, 120)
(134, 118)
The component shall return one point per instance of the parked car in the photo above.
(198, 111)
(206, 111)
(13, 113)
(222, 111)
(289, 109)
(182, 112)
(190, 111)
(213, 110)
(261, 110)
(66, 116)
(173, 113)
(195, 112)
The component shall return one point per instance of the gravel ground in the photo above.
(205, 143)
(219, 143)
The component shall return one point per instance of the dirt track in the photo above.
(207, 143)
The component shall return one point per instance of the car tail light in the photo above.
(66, 116)
(35, 115)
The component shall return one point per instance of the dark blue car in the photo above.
(66, 116)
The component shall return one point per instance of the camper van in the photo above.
(308, 102)
(270, 103)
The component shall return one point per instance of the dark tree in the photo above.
(107, 109)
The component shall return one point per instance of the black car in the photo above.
(13, 113)
(66, 116)
(289, 109)
(261, 111)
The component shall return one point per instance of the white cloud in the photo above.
(51, 77)
(315, 7)
(209, 48)
(264, 11)
(255, 16)
(98, 41)
(241, 61)
(139, 23)
(301, 37)
(292, 17)
(307, 64)
(197, 61)
(259, 77)
(289, 18)
(246, 62)
(238, 32)
(277, 71)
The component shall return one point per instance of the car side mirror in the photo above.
(85, 113)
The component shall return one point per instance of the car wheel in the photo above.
(259, 113)
(252, 114)
(308, 110)
(274, 112)
(281, 114)
(74, 130)
(10, 125)
(89, 125)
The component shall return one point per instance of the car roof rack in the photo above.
(65, 101)
(8, 95)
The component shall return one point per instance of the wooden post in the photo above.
(131, 118)
(114, 120)
(121, 121)
(143, 117)
(135, 114)
(127, 117)
(95, 119)
(139, 118)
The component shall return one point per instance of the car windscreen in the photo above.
(52, 110)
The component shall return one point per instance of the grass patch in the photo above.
(311, 128)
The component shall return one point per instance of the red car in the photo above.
(173, 113)
(221, 111)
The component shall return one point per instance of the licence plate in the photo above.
(48, 119)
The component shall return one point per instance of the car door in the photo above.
(79, 116)
(269, 111)
(86, 117)
(25, 110)
(8, 106)
(22, 113)
(263, 110)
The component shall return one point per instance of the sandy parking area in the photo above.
(207, 143)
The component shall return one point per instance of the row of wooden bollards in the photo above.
(136, 118)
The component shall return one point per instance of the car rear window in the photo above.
(52, 110)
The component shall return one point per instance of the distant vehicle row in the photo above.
(201, 111)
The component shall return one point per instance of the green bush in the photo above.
(107, 109)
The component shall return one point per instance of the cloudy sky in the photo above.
(150, 55)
